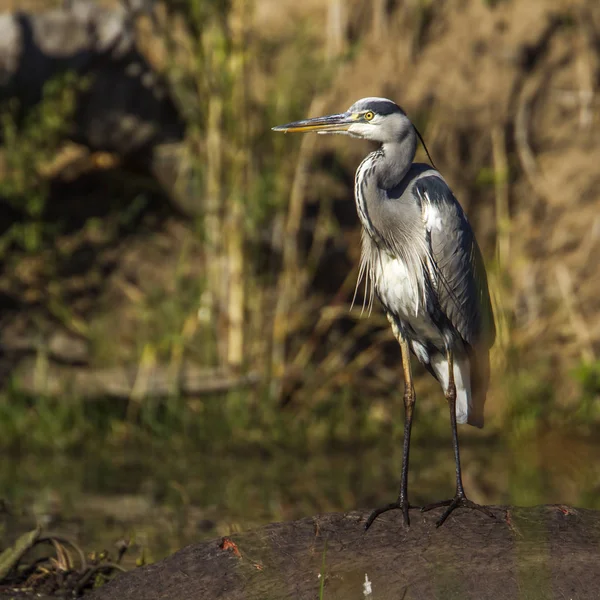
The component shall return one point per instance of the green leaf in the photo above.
(11, 556)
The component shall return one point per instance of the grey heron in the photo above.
(420, 258)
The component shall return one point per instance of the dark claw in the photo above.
(459, 501)
(403, 505)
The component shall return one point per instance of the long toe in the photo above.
(403, 505)
(439, 504)
(459, 501)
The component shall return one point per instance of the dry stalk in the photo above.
(587, 64)
(235, 307)
(240, 173)
(500, 305)
(212, 215)
(501, 188)
(379, 19)
(526, 156)
(337, 16)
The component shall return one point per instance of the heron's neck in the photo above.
(395, 159)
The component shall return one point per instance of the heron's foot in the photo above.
(459, 501)
(400, 504)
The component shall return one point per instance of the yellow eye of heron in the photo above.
(368, 116)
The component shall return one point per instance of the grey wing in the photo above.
(457, 271)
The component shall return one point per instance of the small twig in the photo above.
(65, 542)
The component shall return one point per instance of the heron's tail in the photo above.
(479, 366)
(471, 374)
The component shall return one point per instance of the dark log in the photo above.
(124, 383)
(544, 552)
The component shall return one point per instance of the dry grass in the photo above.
(493, 109)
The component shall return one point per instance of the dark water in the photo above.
(162, 494)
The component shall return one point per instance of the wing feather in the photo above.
(457, 271)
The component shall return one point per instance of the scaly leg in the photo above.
(460, 499)
(409, 403)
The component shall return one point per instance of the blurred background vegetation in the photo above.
(178, 354)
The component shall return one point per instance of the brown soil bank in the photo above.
(547, 552)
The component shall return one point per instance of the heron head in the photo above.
(376, 119)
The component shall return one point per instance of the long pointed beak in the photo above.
(327, 124)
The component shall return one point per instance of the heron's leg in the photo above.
(460, 499)
(409, 403)
(451, 399)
